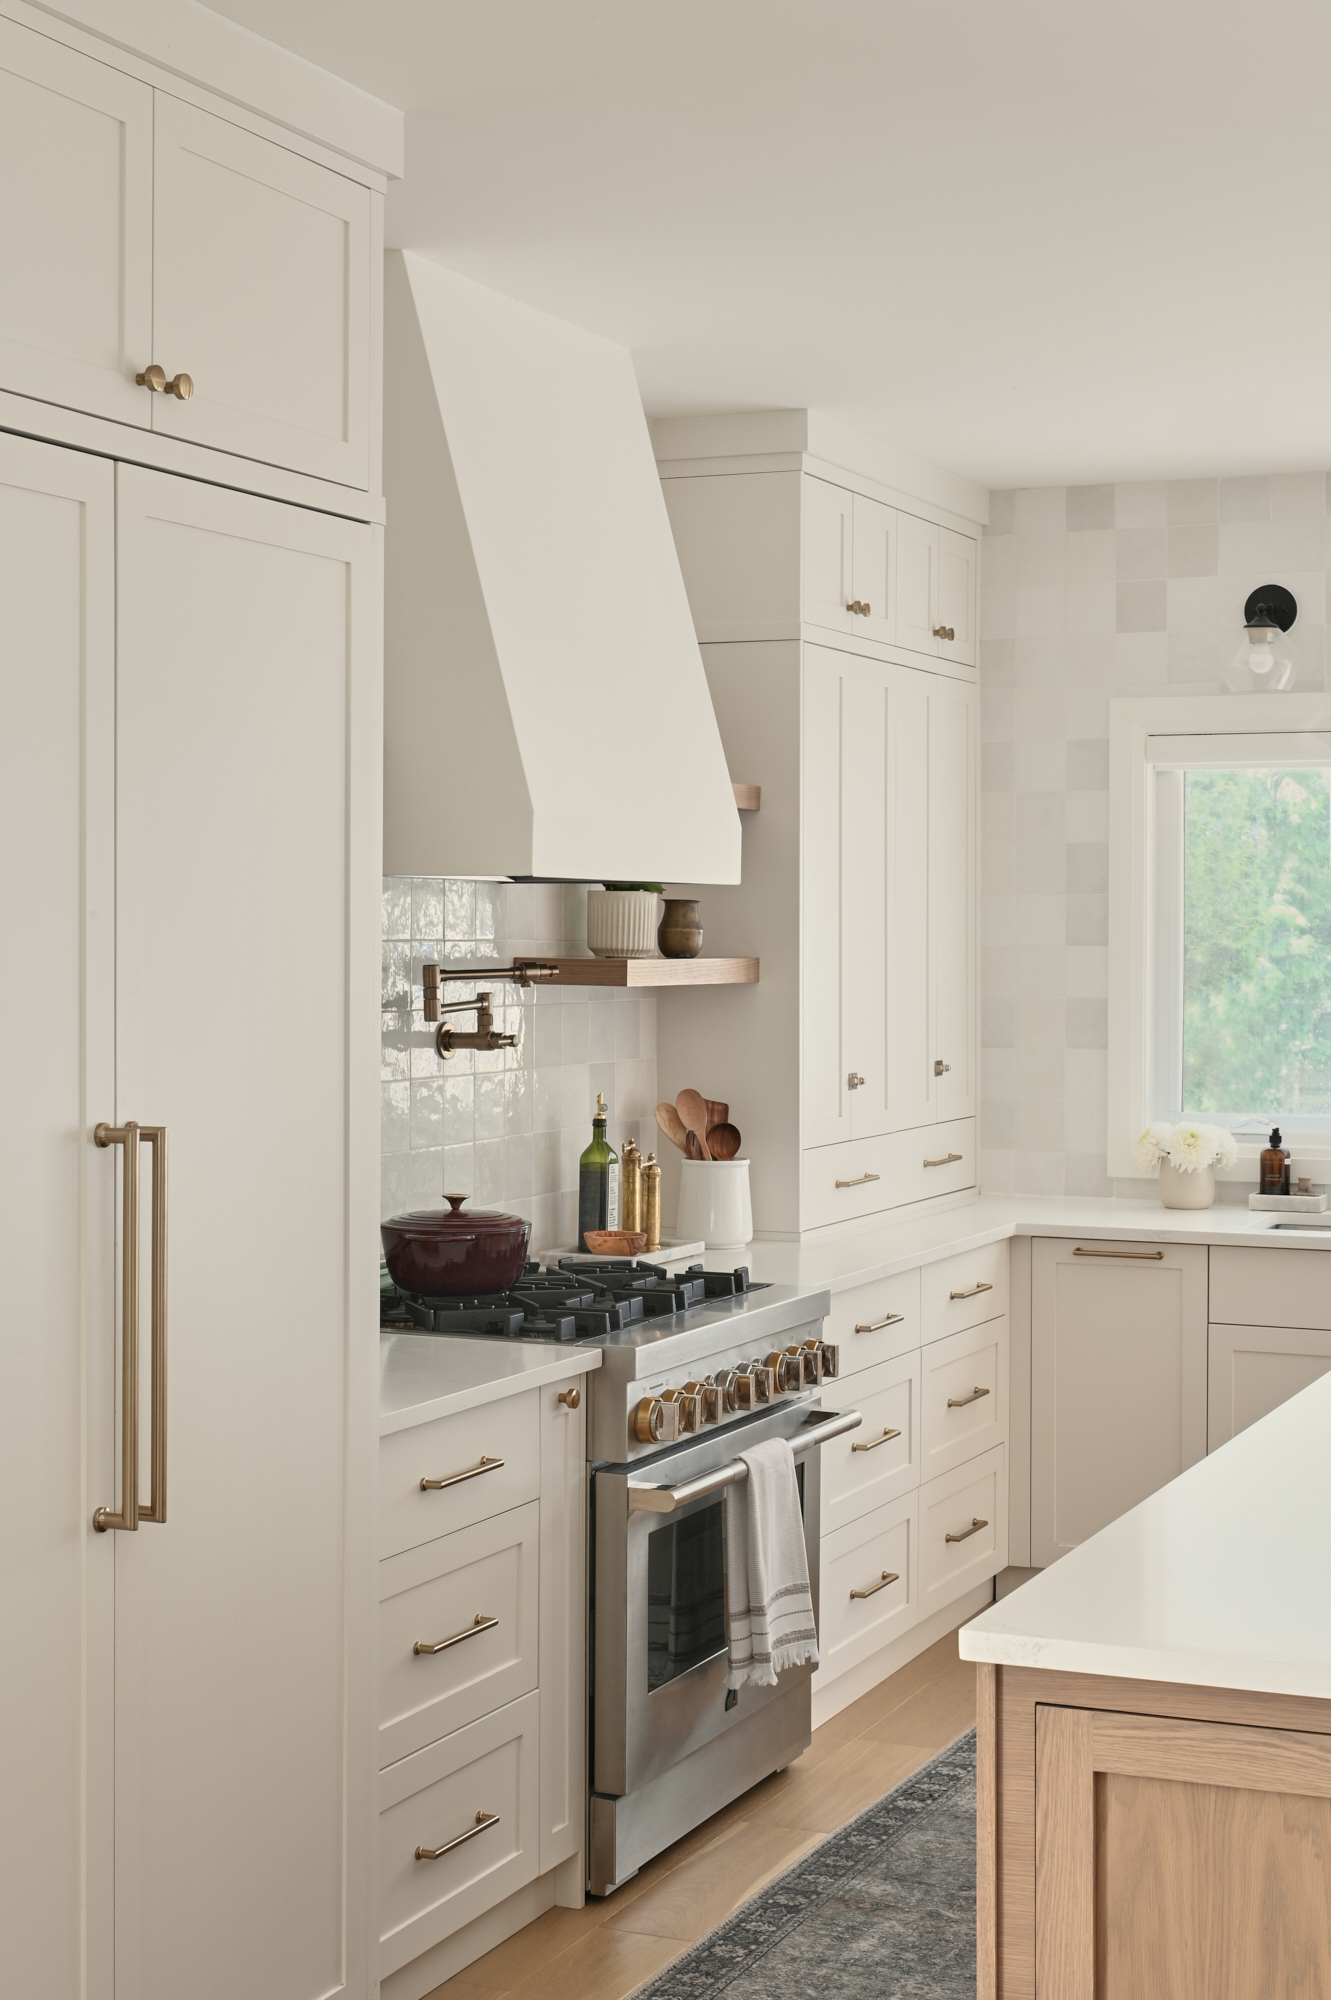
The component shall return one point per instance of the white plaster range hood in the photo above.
(546, 709)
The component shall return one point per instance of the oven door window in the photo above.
(686, 1594)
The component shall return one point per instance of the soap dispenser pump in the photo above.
(1273, 1167)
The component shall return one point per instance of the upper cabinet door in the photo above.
(955, 623)
(261, 296)
(874, 570)
(826, 1103)
(917, 584)
(952, 731)
(76, 147)
(828, 536)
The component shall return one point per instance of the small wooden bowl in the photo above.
(616, 1242)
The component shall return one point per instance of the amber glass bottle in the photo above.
(1273, 1167)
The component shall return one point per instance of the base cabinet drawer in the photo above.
(435, 1478)
(1270, 1287)
(470, 1805)
(873, 1323)
(964, 1395)
(869, 1586)
(880, 1461)
(861, 1176)
(963, 1529)
(457, 1629)
(961, 1291)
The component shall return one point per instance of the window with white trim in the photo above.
(1220, 939)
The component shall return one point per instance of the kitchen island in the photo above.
(1155, 1741)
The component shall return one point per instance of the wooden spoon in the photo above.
(693, 1148)
(717, 1113)
(673, 1126)
(724, 1141)
(693, 1111)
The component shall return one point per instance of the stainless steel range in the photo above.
(695, 1366)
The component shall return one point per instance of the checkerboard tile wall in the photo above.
(1088, 592)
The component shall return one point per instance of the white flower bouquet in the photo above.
(1187, 1147)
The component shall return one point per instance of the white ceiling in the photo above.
(1029, 240)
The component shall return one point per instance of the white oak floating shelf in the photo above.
(748, 798)
(649, 972)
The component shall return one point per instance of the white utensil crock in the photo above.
(1194, 1190)
(714, 1203)
(621, 923)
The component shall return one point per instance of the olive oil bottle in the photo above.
(598, 1181)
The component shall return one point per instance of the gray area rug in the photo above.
(886, 1908)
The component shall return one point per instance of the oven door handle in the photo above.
(665, 1499)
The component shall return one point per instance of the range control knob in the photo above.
(755, 1384)
(688, 1402)
(714, 1405)
(829, 1356)
(788, 1370)
(655, 1421)
(726, 1383)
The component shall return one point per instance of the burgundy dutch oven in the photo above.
(441, 1254)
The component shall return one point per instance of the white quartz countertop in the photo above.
(428, 1375)
(881, 1250)
(1216, 1580)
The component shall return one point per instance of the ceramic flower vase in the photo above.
(1194, 1190)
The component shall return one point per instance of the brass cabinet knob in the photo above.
(570, 1398)
(854, 1081)
(859, 610)
(941, 1068)
(155, 378)
(944, 632)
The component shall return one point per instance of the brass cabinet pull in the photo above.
(483, 1819)
(155, 378)
(946, 1161)
(859, 610)
(854, 1081)
(570, 1398)
(960, 1402)
(944, 632)
(1148, 1256)
(860, 1182)
(456, 1478)
(877, 1325)
(966, 1533)
(888, 1576)
(130, 1135)
(874, 1443)
(481, 1623)
(941, 1068)
(983, 1286)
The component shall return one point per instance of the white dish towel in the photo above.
(769, 1605)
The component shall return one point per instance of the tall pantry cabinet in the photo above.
(837, 622)
(190, 632)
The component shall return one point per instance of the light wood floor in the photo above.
(603, 1951)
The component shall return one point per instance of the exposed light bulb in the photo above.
(1263, 664)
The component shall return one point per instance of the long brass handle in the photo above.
(860, 1182)
(481, 1623)
(483, 1819)
(131, 1511)
(154, 377)
(973, 1292)
(874, 1443)
(966, 1533)
(960, 1402)
(888, 1576)
(877, 1325)
(946, 1161)
(456, 1478)
(1147, 1256)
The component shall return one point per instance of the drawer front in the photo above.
(862, 1176)
(880, 1461)
(1271, 1287)
(435, 1797)
(964, 1395)
(870, 1585)
(874, 1323)
(950, 1506)
(506, 1431)
(964, 1290)
(477, 1589)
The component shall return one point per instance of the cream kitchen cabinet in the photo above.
(1270, 1332)
(191, 689)
(152, 232)
(1118, 1380)
(849, 562)
(889, 891)
(936, 591)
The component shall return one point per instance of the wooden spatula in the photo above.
(673, 1126)
(693, 1111)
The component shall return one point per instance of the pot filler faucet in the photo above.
(484, 1035)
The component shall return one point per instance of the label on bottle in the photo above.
(612, 1195)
